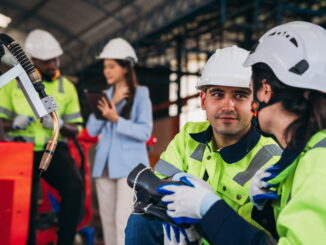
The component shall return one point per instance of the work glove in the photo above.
(47, 122)
(174, 235)
(260, 190)
(21, 122)
(186, 204)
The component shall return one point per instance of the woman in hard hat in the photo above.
(123, 135)
(289, 80)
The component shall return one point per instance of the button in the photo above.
(224, 188)
(238, 196)
(208, 157)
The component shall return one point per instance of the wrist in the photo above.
(207, 202)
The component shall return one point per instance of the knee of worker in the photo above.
(143, 228)
(73, 189)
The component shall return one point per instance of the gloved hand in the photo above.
(175, 235)
(260, 189)
(47, 122)
(21, 122)
(188, 204)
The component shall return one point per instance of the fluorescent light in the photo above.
(4, 20)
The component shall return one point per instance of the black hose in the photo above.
(15, 49)
(82, 157)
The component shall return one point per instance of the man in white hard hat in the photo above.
(20, 125)
(226, 150)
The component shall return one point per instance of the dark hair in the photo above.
(132, 83)
(309, 107)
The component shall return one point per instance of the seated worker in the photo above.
(225, 151)
(21, 125)
(289, 81)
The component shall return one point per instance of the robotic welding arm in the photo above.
(31, 84)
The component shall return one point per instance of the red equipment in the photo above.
(51, 200)
(15, 191)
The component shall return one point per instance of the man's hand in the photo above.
(47, 122)
(260, 189)
(186, 204)
(21, 122)
(174, 235)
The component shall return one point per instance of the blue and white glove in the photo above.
(187, 204)
(175, 235)
(260, 189)
(47, 122)
(21, 122)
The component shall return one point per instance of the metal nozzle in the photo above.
(50, 147)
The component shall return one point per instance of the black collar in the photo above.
(232, 153)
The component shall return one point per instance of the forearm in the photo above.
(6, 125)
(69, 130)
(222, 225)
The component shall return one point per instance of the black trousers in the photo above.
(64, 176)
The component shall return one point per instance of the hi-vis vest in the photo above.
(300, 213)
(13, 103)
(228, 170)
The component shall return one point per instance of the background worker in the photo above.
(225, 151)
(289, 79)
(20, 125)
(126, 126)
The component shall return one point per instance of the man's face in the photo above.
(228, 109)
(47, 67)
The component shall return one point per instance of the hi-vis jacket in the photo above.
(300, 211)
(13, 103)
(228, 170)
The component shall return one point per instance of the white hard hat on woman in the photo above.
(292, 51)
(118, 48)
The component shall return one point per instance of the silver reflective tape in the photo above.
(166, 168)
(7, 112)
(61, 90)
(8, 137)
(70, 117)
(199, 152)
(259, 160)
(321, 143)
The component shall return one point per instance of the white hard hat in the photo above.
(42, 45)
(118, 48)
(225, 68)
(296, 52)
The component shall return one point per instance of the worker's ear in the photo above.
(203, 99)
(265, 93)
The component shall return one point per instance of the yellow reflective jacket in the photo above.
(13, 103)
(228, 170)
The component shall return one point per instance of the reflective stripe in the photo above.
(198, 154)
(70, 117)
(61, 90)
(166, 168)
(321, 143)
(8, 137)
(7, 112)
(260, 159)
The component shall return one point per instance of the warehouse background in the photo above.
(173, 39)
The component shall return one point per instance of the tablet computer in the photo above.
(93, 99)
